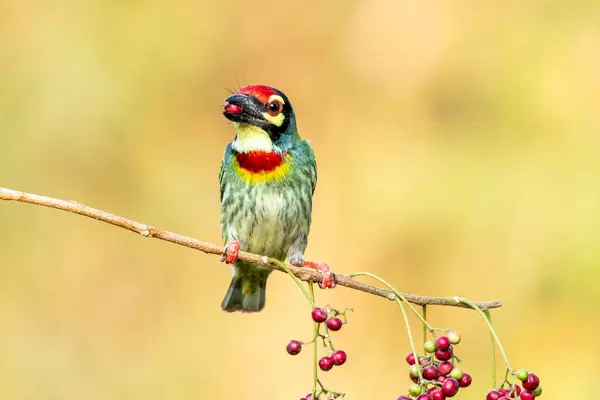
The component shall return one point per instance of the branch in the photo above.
(303, 274)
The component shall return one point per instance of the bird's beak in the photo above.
(241, 108)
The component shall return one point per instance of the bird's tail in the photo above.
(246, 293)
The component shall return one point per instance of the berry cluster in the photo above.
(436, 377)
(531, 388)
(328, 319)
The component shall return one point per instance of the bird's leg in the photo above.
(328, 276)
(230, 253)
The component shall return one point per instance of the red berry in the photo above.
(430, 372)
(527, 395)
(444, 355)
(441, 379)
(442, 343)
(445, 367)
(325, 363)
(415, 379)
(410, 359)
(334, 324)
(339, 357)
(403, 398)
(450, 387)
(437, 394)
(318, 315)
(517, 390)
(424, 397)
(294, 347)
(532, 382)
(465, 381)
(493, 395)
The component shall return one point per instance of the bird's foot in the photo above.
(328, 276)
(230, 254)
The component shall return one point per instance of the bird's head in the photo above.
(263, 118)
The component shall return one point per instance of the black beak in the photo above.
(244, 109)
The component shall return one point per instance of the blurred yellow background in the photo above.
(458, 149)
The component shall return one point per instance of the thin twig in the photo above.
(303, 274)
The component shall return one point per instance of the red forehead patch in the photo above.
(261, 92)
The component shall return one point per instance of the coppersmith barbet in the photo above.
(267, 180)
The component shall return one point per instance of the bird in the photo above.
(267, 180)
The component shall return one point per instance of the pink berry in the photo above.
(423, 361)
(437, 394)
(325, 363)
(294, 347)
(410, 359)
(493, 395)
(318, 315)
(444, 355)
(424, 396)
(430, 372)
(465, 381)
(441, 378)
(532, 382)
(403, 398)
(445, 367)
(527, 395)
(450, 387)
(334, 324)
(442, 343)
(517, 390)
(339, 357)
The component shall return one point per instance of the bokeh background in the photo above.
(459, 154)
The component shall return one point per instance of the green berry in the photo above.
(414, 390)
(414, 370)
(429, 346)
(522, 375)
(538, 391)
(456, 373)
(454, 337)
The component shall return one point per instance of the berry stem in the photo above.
(424, 307)
(311, 299)
(398, 294)
(315, 335)
(410, 338)
(489, 317)
(489, 324)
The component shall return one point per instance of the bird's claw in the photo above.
(329, 280)
(230, 253)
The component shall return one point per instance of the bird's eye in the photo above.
(274, 107)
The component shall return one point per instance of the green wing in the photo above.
(225, 163)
